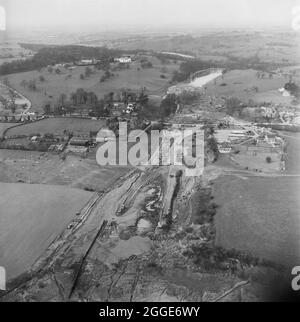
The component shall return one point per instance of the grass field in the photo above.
(293, 152)
(260, 215)
(54, 84)
(258, 162)
(4, 126)
(31, 217)
(238, 82)
(57, 126)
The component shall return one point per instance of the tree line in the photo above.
(191, 66)
(82, 99)
(51, 55)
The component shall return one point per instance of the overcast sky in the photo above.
(202, 13)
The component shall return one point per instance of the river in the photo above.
(203, 80)
(177, 54)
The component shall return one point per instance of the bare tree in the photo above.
(32, 85)
(23, 83)
(12, 100)
(6, 82)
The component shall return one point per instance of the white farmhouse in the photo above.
(124, 60)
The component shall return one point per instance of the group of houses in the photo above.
(253, 148)
(7, 116)
(87, 62)
(126, 59)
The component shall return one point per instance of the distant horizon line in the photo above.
(120, 27)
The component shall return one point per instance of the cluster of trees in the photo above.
(82, 99)
(168, 105)
(262, 75)
(252, 62)
(233, 106)
(212, 150)
(293, 89)
(129, 96)
(77, 100)
(163, 60)
(50, 70)
(215, 257)
(107, 75)
(40, 146)
(104, 64)
(9, 102)
(160, 111)
(87, 73)
(189, 67)
(31, 84)
(189, 97)
(212, 145)
(206, 213)
(121, 66)
(166, 58)
(146, 64)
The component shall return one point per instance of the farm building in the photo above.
(75, 141)
(224, 147)
(270, 139)
(124, 60)
(87, 62)
(229, 135)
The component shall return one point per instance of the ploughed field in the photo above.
(260, 215)
(31, 216)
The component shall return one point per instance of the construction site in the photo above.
(148, 164)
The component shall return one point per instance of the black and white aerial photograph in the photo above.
(149, 153)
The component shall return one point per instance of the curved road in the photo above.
(21, 98)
